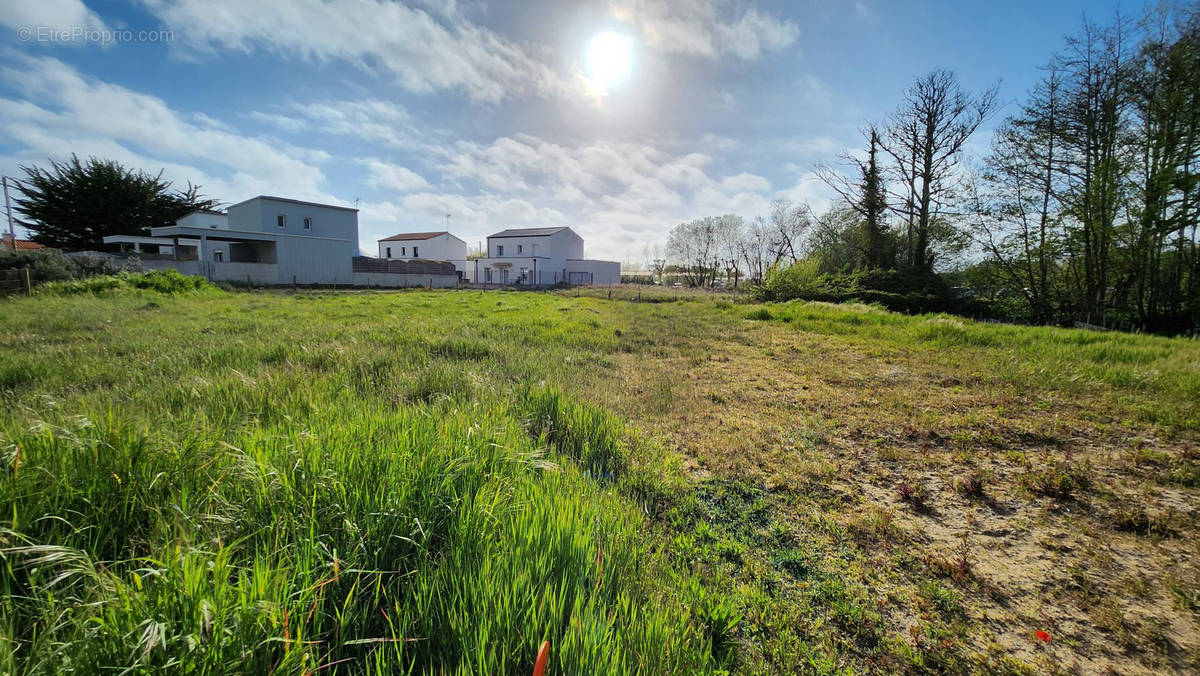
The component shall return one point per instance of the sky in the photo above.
(477, 116)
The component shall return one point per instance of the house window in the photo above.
(403, 251)
(415, 254)
(389, 252)
(520, 248)
(487, 275)
(308, 222)
(499, 249)
(218, 255)
(281, 220)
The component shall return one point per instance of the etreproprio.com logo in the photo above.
(104, 36)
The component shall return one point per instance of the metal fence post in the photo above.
(28, 282)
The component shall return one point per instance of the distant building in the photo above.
(8, 242)
(263, 240)
(433, 246)
(541, 257)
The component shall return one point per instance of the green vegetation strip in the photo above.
(247, 483)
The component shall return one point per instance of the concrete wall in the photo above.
(262, 215)
(201, 219)
(246, 216)
(315, 261)
(392, 281)
(593, 272)
(512, 247)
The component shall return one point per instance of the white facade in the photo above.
(435, 246)
(540, 257)
(269, 240)
(213, 220)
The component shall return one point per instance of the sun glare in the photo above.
(608, 58)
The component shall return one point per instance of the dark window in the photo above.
(281, 220)
(308, 223)
(389, 252)
(499, 249)
(218, 256)
(415, 254)
(520, 248)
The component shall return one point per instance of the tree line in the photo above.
(1084, 208)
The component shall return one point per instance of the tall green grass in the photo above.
(351, 484)
(1148, 378)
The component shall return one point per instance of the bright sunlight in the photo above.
(608, 59)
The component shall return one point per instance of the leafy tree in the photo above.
(868, 198)
(75, 204)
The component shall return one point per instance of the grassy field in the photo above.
(654, 482)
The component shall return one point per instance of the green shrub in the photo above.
(49, 265)
(893, 289)
(160, 281)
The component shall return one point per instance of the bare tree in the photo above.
(695, 247)
(788, 224)
(925, 139)
(754, 248)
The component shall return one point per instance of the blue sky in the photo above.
(489, 111)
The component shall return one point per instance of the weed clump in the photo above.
(590, 436)
(915, 494)
(168, 282)
(1062, 480)
(762, 314)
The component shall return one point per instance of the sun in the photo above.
(608, 59)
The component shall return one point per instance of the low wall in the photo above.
(392, 280)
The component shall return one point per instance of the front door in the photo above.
(504, 276)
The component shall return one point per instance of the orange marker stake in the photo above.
(539, 667)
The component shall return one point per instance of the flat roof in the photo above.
(138, 239)
(529, 232)
(291, 201)
(233, 235)
(417, 236)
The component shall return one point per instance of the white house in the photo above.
(435, 246)
(541, 257)
(264, 240)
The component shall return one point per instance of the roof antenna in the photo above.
(356, 201)
(447, 222)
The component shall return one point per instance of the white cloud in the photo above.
(62, 16)
(707, 28)
(393, 177)
(423, 53)
(64, 112)
(746, 182)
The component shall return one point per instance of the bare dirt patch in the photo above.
(975, 512)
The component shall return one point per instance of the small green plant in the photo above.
(915, 494)
(1140, 521)
(1058, 479)
(973, 484)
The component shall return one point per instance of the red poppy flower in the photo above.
(1045, 638)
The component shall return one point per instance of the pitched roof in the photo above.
(528, 232)
(415, 235)
(20, 244)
